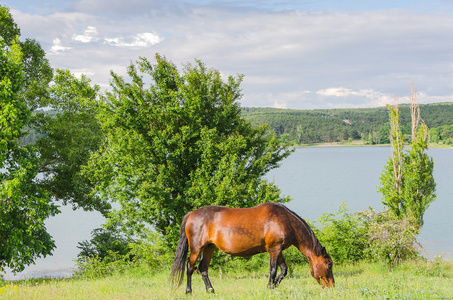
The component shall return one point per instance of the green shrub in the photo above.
(109, 252)
(151, 251)
(391, 239)
(343, 234)
(103, 242)
(91, 267)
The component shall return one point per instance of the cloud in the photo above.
(291, 58)
(90, 35)
(145, 39)
(58, 47)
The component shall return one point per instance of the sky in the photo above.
(293, 54)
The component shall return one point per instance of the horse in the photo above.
(269, 227)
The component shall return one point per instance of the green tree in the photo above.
(179, 144)
(407, 182)
(24, 205)
(37, 71)
(71, 133)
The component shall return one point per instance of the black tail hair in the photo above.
(179, 263)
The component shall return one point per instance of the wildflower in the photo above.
(2, 290)
(15, 287)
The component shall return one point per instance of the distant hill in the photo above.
(336, 125)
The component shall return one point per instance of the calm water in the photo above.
(318, 180)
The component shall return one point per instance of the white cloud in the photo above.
(58, 47)
(90, 35)
(344, 58)
(145, 39)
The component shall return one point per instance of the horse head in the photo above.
(321, 269)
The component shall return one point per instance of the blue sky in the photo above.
(293, 54)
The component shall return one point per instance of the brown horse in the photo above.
(269, 227)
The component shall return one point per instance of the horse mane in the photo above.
(318, 248)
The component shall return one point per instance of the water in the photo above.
(317, 179)
(320, 179)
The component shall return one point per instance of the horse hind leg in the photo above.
(190, 269)
(204, 265)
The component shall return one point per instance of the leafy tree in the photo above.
(24, 205)
(407, 182)
(71, 133)
(37, 71)
(177, 144)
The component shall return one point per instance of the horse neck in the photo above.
(305, 240)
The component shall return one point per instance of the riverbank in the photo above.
(410, 280)
(362, 144)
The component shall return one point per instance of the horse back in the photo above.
(240, 231)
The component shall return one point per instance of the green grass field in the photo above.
(412, 280)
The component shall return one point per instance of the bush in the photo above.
(91, 267)
(343, 234)
(367, 235)
(109, 252)
(103, 242)
(151, 251)
(391, 239)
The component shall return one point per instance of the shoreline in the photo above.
(361, 144)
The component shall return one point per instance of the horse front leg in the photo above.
(273, 269)
(283, 269)
(204, 265)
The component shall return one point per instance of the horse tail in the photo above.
(179, 263)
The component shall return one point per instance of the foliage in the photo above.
(369, 235)
(343, 234)
(442, 135)
(177, 145)
(407, 183)
(391, 239)
(24, 205)
(69, 135)
(36, 67)
(34, 176)
(152, 251)
(110, 252)
(95, 267)
(102, 242)
(335, 125)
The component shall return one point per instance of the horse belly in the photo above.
(239, 242)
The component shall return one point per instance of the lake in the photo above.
(318, 179)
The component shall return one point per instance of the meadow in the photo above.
(409, 280)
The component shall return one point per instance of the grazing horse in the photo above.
(269, 227)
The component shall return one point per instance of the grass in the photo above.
(411, 280)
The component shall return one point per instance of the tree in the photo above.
(24, 205)
(71, 134)
(407, 182)
(37, 71)
(179, 144)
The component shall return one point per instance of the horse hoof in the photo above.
(188, 291)
(271, 286)
(210, 290)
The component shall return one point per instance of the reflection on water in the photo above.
(318, 180)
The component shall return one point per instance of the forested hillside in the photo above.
(336, 125)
